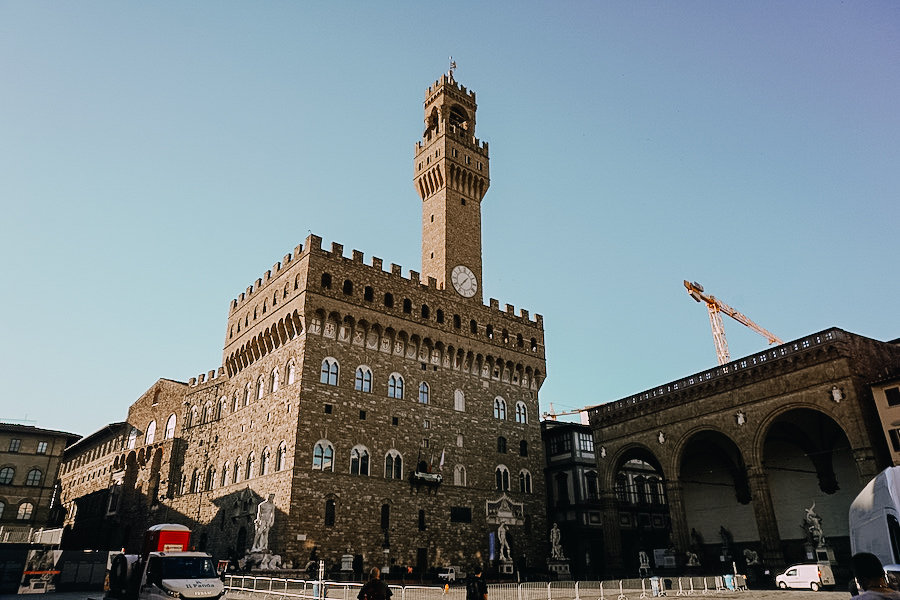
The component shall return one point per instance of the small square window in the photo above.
(328, 409)
(362, 415)
(424, 366)
(893, 396)
(395, 421)
(463, 200)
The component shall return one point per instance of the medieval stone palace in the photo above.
(388, 416)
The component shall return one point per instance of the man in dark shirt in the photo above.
(476, 588)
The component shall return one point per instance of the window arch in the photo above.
(205, 415)
(220, 408)
(329, 513)
(407, 305)
(389, 300)
(195, 482)
(459, 401)
(395, 386)
(326, 281)
(363, 381)
(359, 460)
(250, 467)
(236, 402)
(210, 481)
(237, 469)
(423, 393)
(264, 461)
(502, 477)
(329, 372)
(521, 412)
(459, 475)
(274, 380)
(348, 287)
(260, 387)
(34, 477)
(25, 511)
(248, 392)
(150, 436)
(6, 475)
(225, 469)
(425, 311)
(501, 445)
(393, 465)
(170, 426)
(132, 435)
(499, 408)
(280, 462)
(2, 508)
(323, 456)
(525, 481)
(291, 372)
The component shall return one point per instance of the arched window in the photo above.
(363, 382)
(329, 513)
(459, 475)
(323, 456)
(248, 393)
(25, 511)
(274, 380)
(265, 457)
(150, 436)
(423, 393)
(502, 477)
(237, 469)
(590, 485)
(359, 461)
(524, 481)
(389, 300)
(251, 466)
(425, 311)
(439, 316)
(132, 435)
(291, 372)
(368, 293)
(260, 387)
(236, 403)
(282, 456)
(501, 445)
(473, 326)
(2, 508)
(204, 416)
(223, 406)
(407, 305)
(329, 373)
(170, 426)
(225, 470)
(348, 287)
(195, 482)
(393, 465)
(521, 412)
(457, 322)
(523, 448)
(34, 477)
(326, 281)
(489, 331)
(210, 481)
(459, 401)
(499, 408)
(395, 386)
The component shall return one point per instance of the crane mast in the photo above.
(715, 308)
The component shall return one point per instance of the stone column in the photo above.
(764, 511)
(678, 516)
(612, 535)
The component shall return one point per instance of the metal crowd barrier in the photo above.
(246, 587)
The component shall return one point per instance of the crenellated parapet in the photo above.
(211, 376)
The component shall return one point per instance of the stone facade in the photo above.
(729, 460)
(29, 464)
(388, 415)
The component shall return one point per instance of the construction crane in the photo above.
(552, 414)
(715, 307)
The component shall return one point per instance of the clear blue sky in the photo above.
(157, 157)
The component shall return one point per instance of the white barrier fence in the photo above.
(245, 587)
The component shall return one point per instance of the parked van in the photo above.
(806, 577)
(875, 518)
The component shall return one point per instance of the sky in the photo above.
(157, 158)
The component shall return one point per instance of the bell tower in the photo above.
(452, 175)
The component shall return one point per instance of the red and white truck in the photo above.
(165, 569)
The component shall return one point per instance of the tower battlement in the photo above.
(446, 81)
(210, 376)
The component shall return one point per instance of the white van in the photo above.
(806, 577)
(875, 518)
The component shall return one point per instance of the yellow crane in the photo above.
(715, 307)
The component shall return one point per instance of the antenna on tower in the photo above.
(452, 68)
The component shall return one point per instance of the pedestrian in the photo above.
(376, 589)
(869, 573)
(476, 588)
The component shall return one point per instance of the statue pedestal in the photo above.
(825, 554)
(506, 567)
(560, 568)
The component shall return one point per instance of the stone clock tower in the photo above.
(452, 176)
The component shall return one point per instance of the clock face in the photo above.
(464, 281)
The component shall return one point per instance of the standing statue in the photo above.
(265, 518)
(643, 564)
(504, 545)
(691, 559)
(556, 551)
(814, 526)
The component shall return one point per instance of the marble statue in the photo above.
(504, 545)
(556, 551)
(265, 518)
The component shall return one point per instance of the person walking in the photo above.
(476, 588)
(375, 588)
(869, 574)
